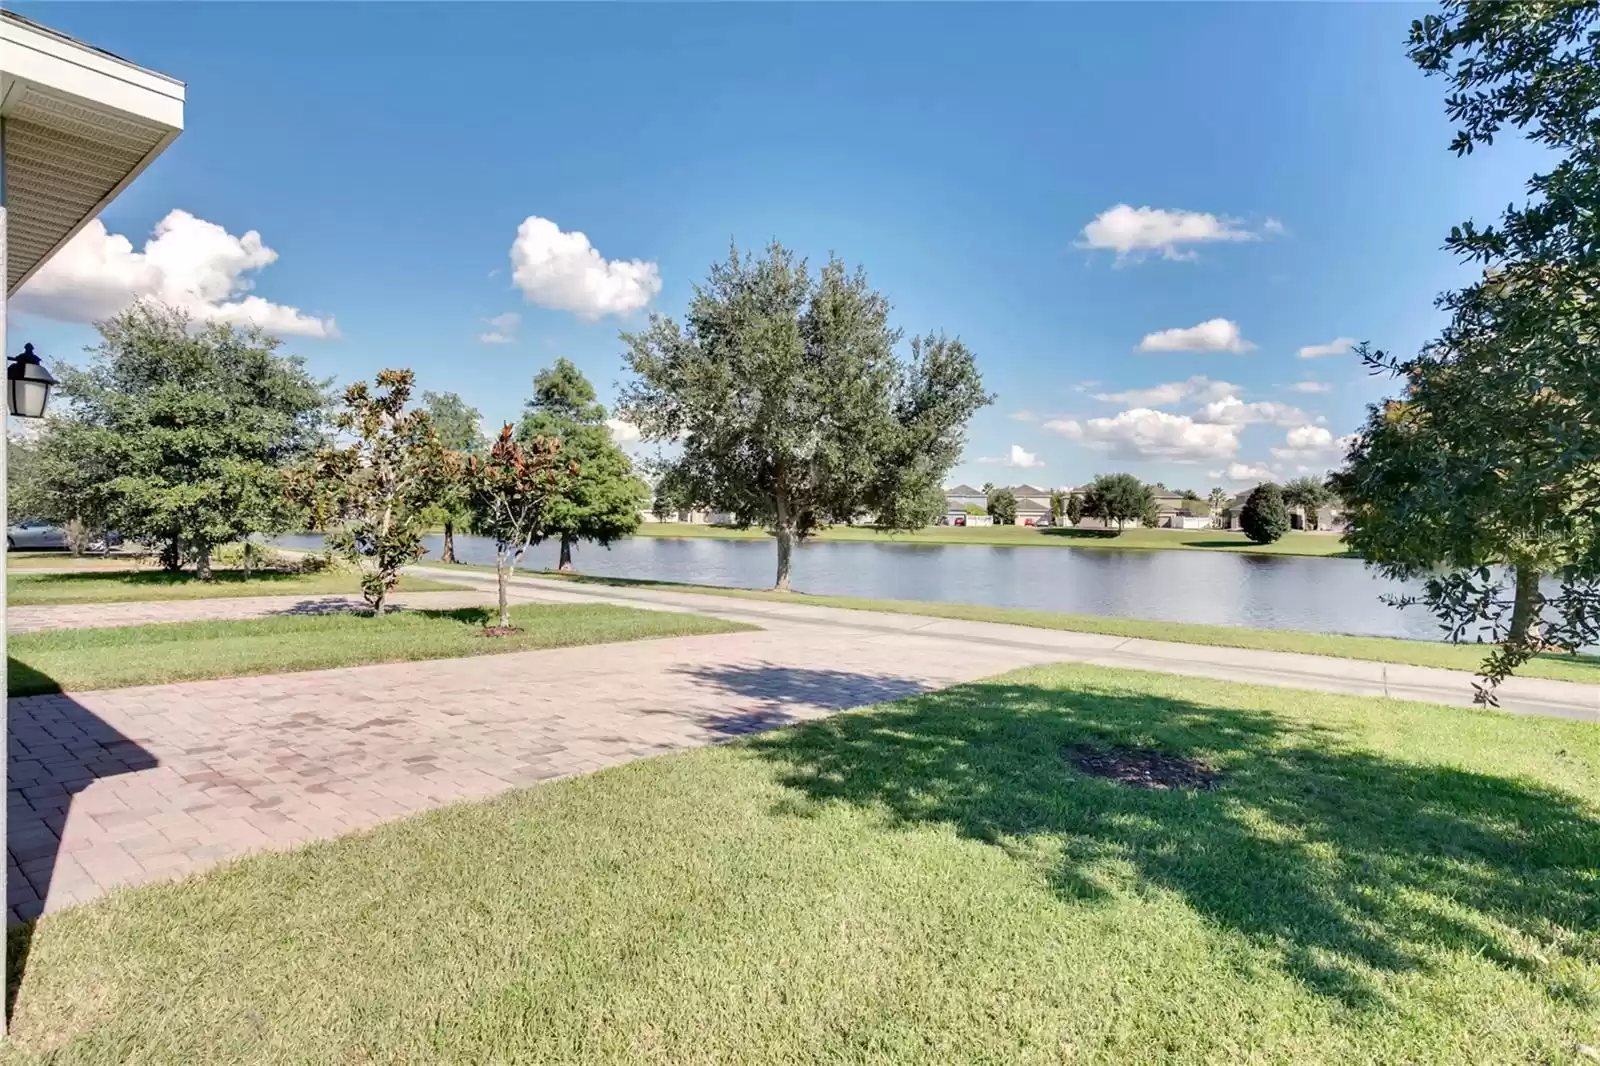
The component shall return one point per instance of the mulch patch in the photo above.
(1143, 768)
(500, 631)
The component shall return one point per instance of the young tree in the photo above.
(1506, 395)
(1217, 500)
(789, 406)
(601, 501)
(1310, 494)
(1119, 498)
(1075, 508)
(456, 423)
(1003, 507)
(374, 495)
(1264, 518)
(1058, 506)
(508, 491)
(189, 425)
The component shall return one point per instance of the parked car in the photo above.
(32, 533)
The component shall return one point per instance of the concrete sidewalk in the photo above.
(1519, 695)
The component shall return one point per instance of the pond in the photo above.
(1260, 591)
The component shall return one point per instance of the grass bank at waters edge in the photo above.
(1467, 657)
(26, 590)
(1320, 544)
(928, 882)
(81, 659)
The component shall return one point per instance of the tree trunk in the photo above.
(1525, 608)
(172, 555)
(202, 563)
(565, 565)
(502, 571)
(785, 555)
(448, 553)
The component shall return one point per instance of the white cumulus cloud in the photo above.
(1312, 445)
(1024, 415)
(1246, 472)
(564, 272)
(188, 263)
(1232, 411)
(622, 432)
(1131, 231)
(1199, 388)
(1019, 457)
(1337, 346)
(1212, 335)
(1142, 433)
(502, 328)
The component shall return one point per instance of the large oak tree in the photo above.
(787, 404)
(186, 428)
(1483, 475)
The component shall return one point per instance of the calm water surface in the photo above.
(1260, 591)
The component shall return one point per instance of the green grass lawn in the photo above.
(29, 560)
(928, 882)
(115, 657)
(1028, 536)
(1582, 668)
(26, 590)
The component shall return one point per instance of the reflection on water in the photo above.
(1261, 591)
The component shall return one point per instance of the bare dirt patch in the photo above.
(500, 631)
(1143, 768)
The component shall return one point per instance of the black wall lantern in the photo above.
(28, 385)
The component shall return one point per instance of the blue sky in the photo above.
(391, 154)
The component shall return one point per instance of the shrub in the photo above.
(1265, 517)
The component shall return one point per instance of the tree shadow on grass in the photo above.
(1342, 864)
(783, 693)
(165, 578)
(56, 748)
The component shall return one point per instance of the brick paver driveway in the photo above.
(132, 785)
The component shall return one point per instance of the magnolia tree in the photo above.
(787, 405)
(374, 495)
(508, 492)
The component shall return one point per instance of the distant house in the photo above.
(1330, 519)
(958, 499)
(1033, 505)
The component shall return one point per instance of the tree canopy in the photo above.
(1310, 494)
(1485, 469)
(787, 404)
(508, 490)
(457, 424)
(1003, 507)
(185, 428)
(1119, 498)
(374, 494)
(1264, 517)
(601, 501)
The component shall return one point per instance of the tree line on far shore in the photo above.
(1118, 499)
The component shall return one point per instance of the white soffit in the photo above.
(80, 124)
